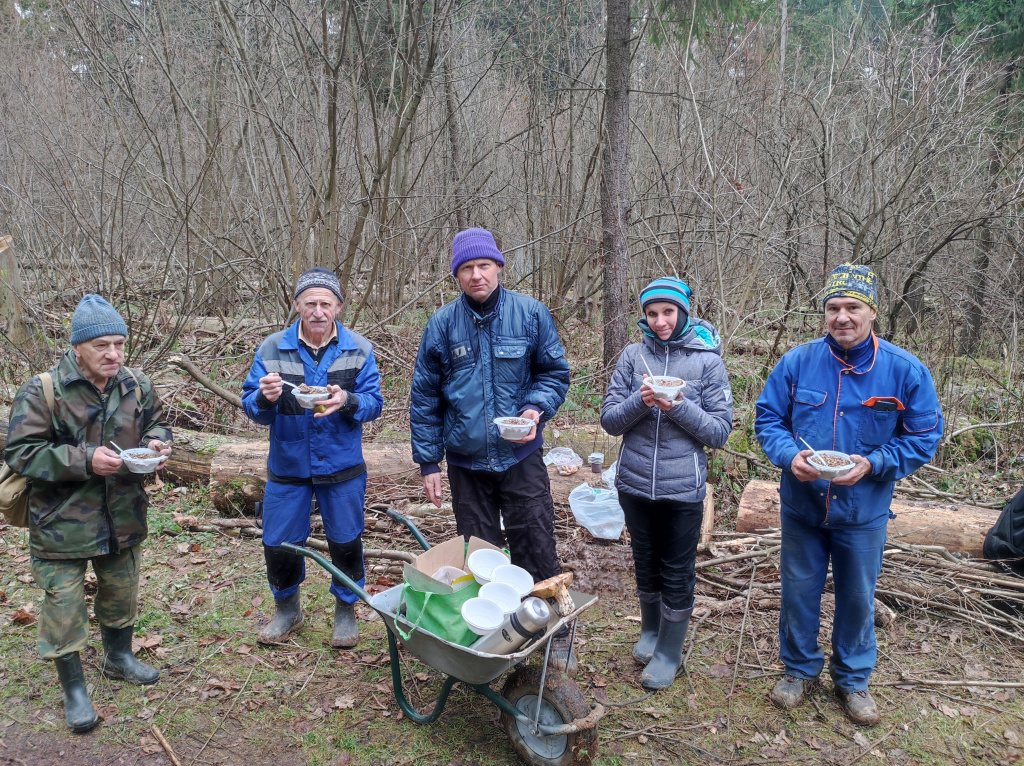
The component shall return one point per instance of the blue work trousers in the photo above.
(286, 520)
(856, 555)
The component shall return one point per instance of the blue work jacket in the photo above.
(303, 448)
(876, 400)
(472, 369)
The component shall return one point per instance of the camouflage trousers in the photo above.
(64, 620)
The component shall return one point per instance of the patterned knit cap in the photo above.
(95, 318)
(319, 277)
(667, 290)
(849, 281)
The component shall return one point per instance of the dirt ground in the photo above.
(224, 699)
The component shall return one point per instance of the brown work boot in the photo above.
(790, 691)
(563, 657)
(859, 707)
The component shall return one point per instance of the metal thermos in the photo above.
(529, 620)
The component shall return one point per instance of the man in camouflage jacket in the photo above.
(84, 504)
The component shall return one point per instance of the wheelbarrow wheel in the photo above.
(563, 702)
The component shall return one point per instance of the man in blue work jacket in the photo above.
(852, 392)
(311, 452)
(491, 353)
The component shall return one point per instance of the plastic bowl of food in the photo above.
(483, 562)
(515, 576)
(832, 464)
(482, 615)
(141, 460)
(502, 594)
(666, 387)
(514, 429)
(309, 396)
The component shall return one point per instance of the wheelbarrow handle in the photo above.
(323, 561)
(412, 528)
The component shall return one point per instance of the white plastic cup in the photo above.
(515, 576)
(483, 562)
(482, 615)
(502, 594)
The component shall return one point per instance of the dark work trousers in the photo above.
(522, 497)
(664, 536)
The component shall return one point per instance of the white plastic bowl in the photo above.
(483, 562)
(482, 615)
(141, 460)
(515, 576)
(666, 387)
(829, 472)
(309, 401)
(510, 428)
(502, 594)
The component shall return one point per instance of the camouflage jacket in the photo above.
(73, 513)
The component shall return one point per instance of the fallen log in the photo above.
(958, 528)
(236, 470)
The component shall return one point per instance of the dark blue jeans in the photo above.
(664, 536)
(856, 555)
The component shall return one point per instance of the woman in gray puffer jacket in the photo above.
(662, 466)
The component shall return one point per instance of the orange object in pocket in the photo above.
(884, 403)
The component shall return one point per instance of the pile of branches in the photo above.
(926, 579)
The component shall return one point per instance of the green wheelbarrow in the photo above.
(544, 713)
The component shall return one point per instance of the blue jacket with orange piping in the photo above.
(875, 400)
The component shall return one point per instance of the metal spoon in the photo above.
(119, 450)
(289, 383)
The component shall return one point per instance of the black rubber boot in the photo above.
(78, 710)
(118, 660)
(288, 618)
(346, 629)
(650, 621)
(668, 650)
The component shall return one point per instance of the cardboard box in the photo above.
(452, 553)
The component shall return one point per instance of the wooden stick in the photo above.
(164, 744)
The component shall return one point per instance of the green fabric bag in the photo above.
(436, 608)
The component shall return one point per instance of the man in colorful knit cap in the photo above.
(491, 353)
(858, 394)
(314, 453)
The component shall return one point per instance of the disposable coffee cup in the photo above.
(596, 461)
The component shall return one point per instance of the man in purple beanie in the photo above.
(491, 353)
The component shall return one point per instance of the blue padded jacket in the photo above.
(876, 400)
(303, 448)
(472, 369)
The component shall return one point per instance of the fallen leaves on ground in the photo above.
(150, 641)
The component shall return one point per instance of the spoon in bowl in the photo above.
(811, 449)
(119, 450)
(647, 366)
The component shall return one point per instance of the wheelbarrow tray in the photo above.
(463, 662)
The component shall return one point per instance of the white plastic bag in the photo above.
(598, 511)
(608, 476)
(564, 459)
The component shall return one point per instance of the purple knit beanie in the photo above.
(474, 243)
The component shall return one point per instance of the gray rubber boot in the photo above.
(78, 710)
(650, 621)
(118, 660)
(668, 650)
(288, 618)
(346, 629)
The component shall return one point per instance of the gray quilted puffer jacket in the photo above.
(662, 454)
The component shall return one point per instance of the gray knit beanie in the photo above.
(318, 276)
(94, 318)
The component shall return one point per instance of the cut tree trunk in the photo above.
(236, 471)
(958, 528)
(12, 298)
